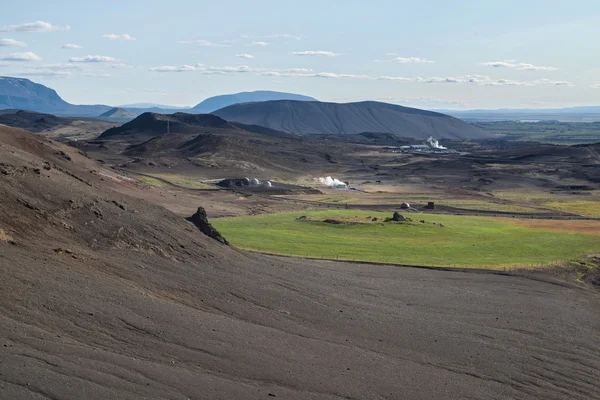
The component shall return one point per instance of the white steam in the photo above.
(434, 144)
(332, 182)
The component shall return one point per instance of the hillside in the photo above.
(53, 126)
(214, 103)
(149, 125)
(106, 296)
(207, 141)
(23, 94)
(349, 118)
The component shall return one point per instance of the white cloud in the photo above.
(327, 75)
(474, 80)
(395, 78)
(595, 86)
(171, 68)
(315, 53)
(204, 43)
(38, 26)
(412, 60)
(27, 56)
(92, 59)
(262, 44)
(248, 56)
(47, 74)
(273, 36)
(71, 46)
(114, 36)
(11, 43)
(208, 70)
(479, 80)
(552, 82)
(517, 66)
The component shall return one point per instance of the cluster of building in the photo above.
(432, 146)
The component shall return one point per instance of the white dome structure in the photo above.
(267, 184)
(254, 181)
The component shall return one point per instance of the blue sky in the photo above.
(434, 54)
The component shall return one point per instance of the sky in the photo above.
(435, 54)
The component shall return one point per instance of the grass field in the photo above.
(462, 241)
(581, 207)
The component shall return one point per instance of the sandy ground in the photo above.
(105, 296)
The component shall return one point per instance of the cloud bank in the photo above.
(114, 36)
(71, 46)
(11, 43)
(92, 59)
(412, 60)
(27, 56)
(38, 26)
(518, 66)
(315, 53)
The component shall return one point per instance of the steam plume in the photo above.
(435, 144)
(332, 182)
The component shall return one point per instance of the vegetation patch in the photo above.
(568, 226)
(151, 181)
(581, 207)
(5, 237)
(429, 239)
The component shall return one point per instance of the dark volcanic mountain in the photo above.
(32, 121)
(304, 117)
(60, 128)
(20, 93)
(149, 125)
(214, 103)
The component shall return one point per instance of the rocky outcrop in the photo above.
(200, 219)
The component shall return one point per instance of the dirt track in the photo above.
(105, 296)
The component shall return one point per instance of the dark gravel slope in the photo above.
(104, 296)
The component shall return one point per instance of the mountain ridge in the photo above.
(305, 117)
(217, 102)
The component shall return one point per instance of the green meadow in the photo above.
(440, 240)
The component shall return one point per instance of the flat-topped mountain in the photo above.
(311, 117)
(23, 94)
(214, 103)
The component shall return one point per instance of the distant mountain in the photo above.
(152, 105)
(149, 125)
(23, 94)
(310, 117)
(117, 114)
(214, 103)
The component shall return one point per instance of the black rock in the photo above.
(200, 219)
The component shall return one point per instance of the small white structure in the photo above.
(405, 206)
(254, 181)
(267, 184)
